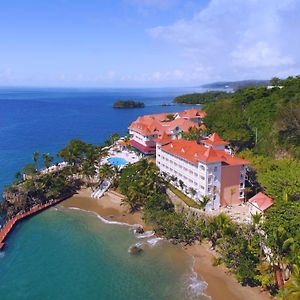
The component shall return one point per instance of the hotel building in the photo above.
(147, 129)
(206, 169)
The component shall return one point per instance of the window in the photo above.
(215, 169)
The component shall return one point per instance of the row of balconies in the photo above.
(190, 182)
(178, 165)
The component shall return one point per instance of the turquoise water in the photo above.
(70, 254)
(117, 161)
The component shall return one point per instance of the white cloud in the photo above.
(233, 39)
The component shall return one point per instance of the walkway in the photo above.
(10, 224)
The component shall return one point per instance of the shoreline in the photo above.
(221, 284)
(108, 207)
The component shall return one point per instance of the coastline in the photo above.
(108, 207)
(221, 284)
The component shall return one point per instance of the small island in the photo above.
(128, 104)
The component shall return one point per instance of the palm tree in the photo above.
(47, 158)
(36, 156)
(114, 137)
(29, 169)
(291, 290)
(256, 219)
(279, 249)
(181, 184)
(105, 171)
(204, 201)
(19, 176)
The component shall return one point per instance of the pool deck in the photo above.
(129, 156)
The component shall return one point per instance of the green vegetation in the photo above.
(263, 127)
(236, 84)
(128, 104)
(40, 187)
(188, 201)
(195, 134)
(278, 178)
(201, 98)
(265, 120)
(242, 248)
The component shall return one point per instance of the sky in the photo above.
(146, 43)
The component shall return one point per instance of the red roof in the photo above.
(263, 201)
(164, 139)
(192, 113)
(194, 152)
(214, 139)
(156, 124)
(142, 148)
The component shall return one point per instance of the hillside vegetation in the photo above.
(236, 84)
(265, 120)
(201, 98)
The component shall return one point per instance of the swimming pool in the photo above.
(117, 161)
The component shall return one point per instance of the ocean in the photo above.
(69, 254)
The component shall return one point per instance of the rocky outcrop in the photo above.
(140, 230)
(17, 199)
(135, 249)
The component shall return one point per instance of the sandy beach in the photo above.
(221, 284)
(108, 207)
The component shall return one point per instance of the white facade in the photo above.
(146, 140)
(204, 179)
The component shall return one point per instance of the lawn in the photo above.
(187, 200)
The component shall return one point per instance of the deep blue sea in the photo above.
(69, 254)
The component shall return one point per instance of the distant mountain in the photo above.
(235, 84)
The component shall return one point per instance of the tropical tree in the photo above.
(114, 137)
(105, 171)
(18, 176)
(291, 291)
(30, 169)
(256, 220)
(204, 201)
(47, 158)
(36, 156)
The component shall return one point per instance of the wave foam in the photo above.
(152, 242)
(105, 220)
(146, 234)
(195, 286)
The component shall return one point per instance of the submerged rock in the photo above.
(174, 242)
(140, 230)
(135, 249)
